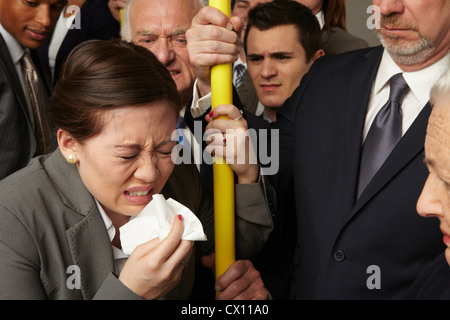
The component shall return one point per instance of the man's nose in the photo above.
(388, 7)
(43, 15)
(163, 50)
(429, 203)
(268, 68)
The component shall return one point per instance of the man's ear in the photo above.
(68, 146)
(319, 53)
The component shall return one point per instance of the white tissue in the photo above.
(155, 221)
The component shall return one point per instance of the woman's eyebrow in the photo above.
(128, 146)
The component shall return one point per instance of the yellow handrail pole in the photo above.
(222, 93)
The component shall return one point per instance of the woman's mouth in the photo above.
(139, 196)
(137, 193)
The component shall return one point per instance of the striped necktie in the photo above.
(41, 131)
(239, 71)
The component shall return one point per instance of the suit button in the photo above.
(339, 256)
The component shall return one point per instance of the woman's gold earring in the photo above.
(71, 159)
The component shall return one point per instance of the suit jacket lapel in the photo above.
(91, 249)
(88, 239)
(358, 100)
(10, 71)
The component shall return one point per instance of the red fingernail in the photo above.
(180, 217)
(211, 114)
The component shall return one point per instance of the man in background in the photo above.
(24, 89)
(281, 43)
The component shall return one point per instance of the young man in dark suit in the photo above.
(24, 26)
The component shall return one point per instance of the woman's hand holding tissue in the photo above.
(155, 266)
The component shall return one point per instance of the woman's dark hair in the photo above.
(267, 15)
(335, 16)
(101, 75)
(333, 11)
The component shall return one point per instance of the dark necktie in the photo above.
(239, 70)
(182, 138)
(41, 130)
(181, 123)
(384, 134)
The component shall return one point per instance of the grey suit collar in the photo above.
(88, 239)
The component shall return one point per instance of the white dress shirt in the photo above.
(60, 32)
(321, 19)
(420, 84)
(120, 258)
(198, 108)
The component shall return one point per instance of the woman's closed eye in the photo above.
(129, 157)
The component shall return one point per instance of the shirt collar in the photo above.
(420, 82)
(107, 221)
(321, 19)
(117, 253)
(16, 51)
(239, 61)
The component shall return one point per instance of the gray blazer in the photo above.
(339, 41)
(247, 93)
(51, 224)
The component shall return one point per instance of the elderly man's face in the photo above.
(160, 26)
(415, 32)
(435, 198)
